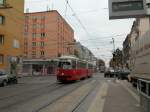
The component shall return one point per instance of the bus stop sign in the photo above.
(119, 9)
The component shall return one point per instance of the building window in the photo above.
(43, 18)
(1, 39)
(43, 34)
(33, 53)
(34, 26)
(42, 44)
(2, 3)
(2, 19)
(1, 59)
(34, 19)
(42, 26)
(33, 35)
(33, 44)
(16, 44)
(42, 53)
(26, 17)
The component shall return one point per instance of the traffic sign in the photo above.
(119, 9)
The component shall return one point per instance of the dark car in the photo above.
(123, 74)
(109, 73)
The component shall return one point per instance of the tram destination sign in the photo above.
(119, 9)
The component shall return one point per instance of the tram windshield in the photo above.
(65, 65)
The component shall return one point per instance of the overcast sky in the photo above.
(93, 14)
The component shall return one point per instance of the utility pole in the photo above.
(113, 42)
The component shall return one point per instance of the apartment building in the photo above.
(11, 33)
(84, 53)
(140, 29)
(47, 36)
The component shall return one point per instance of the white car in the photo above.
(3, 79)
(6, 79)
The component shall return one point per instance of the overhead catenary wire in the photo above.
(104, 37)
(66, 8)
(90, 35)
(70, 22)
(78, 19)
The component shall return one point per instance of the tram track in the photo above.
(61, 96)
(75, 109)
(27, 91)
(48, 92)
(32, 95)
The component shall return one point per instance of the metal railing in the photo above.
(144, 88)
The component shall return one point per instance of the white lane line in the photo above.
(135, 96)
(99, 101)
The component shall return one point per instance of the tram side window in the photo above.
(74, 64)
(65, 65)
(90, 66)
(81, 65)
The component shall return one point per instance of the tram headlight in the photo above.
(62, 74)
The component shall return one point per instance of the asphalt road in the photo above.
(45, 94)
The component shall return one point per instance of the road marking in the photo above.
(131, 92)
(99, 101)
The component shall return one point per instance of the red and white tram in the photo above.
(71, 69)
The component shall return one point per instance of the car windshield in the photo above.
(2, 74)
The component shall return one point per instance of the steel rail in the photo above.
(60, 97)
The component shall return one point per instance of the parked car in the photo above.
(3, 79)
(102, 69)
(6, 79)
(109, 73)
(123, 74)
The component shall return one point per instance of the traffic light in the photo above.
(119, 9)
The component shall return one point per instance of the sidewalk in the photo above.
(120, 99)
(37, 79)
(21, 76)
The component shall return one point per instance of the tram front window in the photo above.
(65, 65)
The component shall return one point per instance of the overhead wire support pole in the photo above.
(113, 41)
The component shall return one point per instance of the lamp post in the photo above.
(113, 42)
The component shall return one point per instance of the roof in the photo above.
(49, 11)
(68, 57)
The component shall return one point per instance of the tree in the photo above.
(118, 58)
(76, 53)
